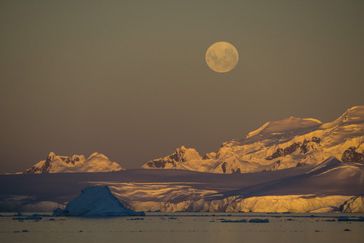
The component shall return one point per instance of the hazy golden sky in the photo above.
(128, 78)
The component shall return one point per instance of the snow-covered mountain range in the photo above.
(276, 145)
(332, 186)
(96, 162)
(295, 165)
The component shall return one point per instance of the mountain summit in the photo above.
(290, 125)
(181, 155)
(54, 163)
(281, 144)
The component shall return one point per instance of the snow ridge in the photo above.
(54, 163)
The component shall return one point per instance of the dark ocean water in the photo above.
(186, 228)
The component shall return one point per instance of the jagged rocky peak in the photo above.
(180, 155)
(54, 163)
(75, 158)
(283, 126)
(183, 154)
(51, 156)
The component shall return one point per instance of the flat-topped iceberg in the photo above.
(97, 201)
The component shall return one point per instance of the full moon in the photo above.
(222, 57)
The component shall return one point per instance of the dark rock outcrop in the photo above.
(351, 155)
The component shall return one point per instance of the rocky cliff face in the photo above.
(354, 205)
(280, 144)
(270, 204)
(96, 162)
(351, 155)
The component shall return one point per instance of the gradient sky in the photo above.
(128, 78)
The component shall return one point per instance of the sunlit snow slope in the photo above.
(278, 145)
